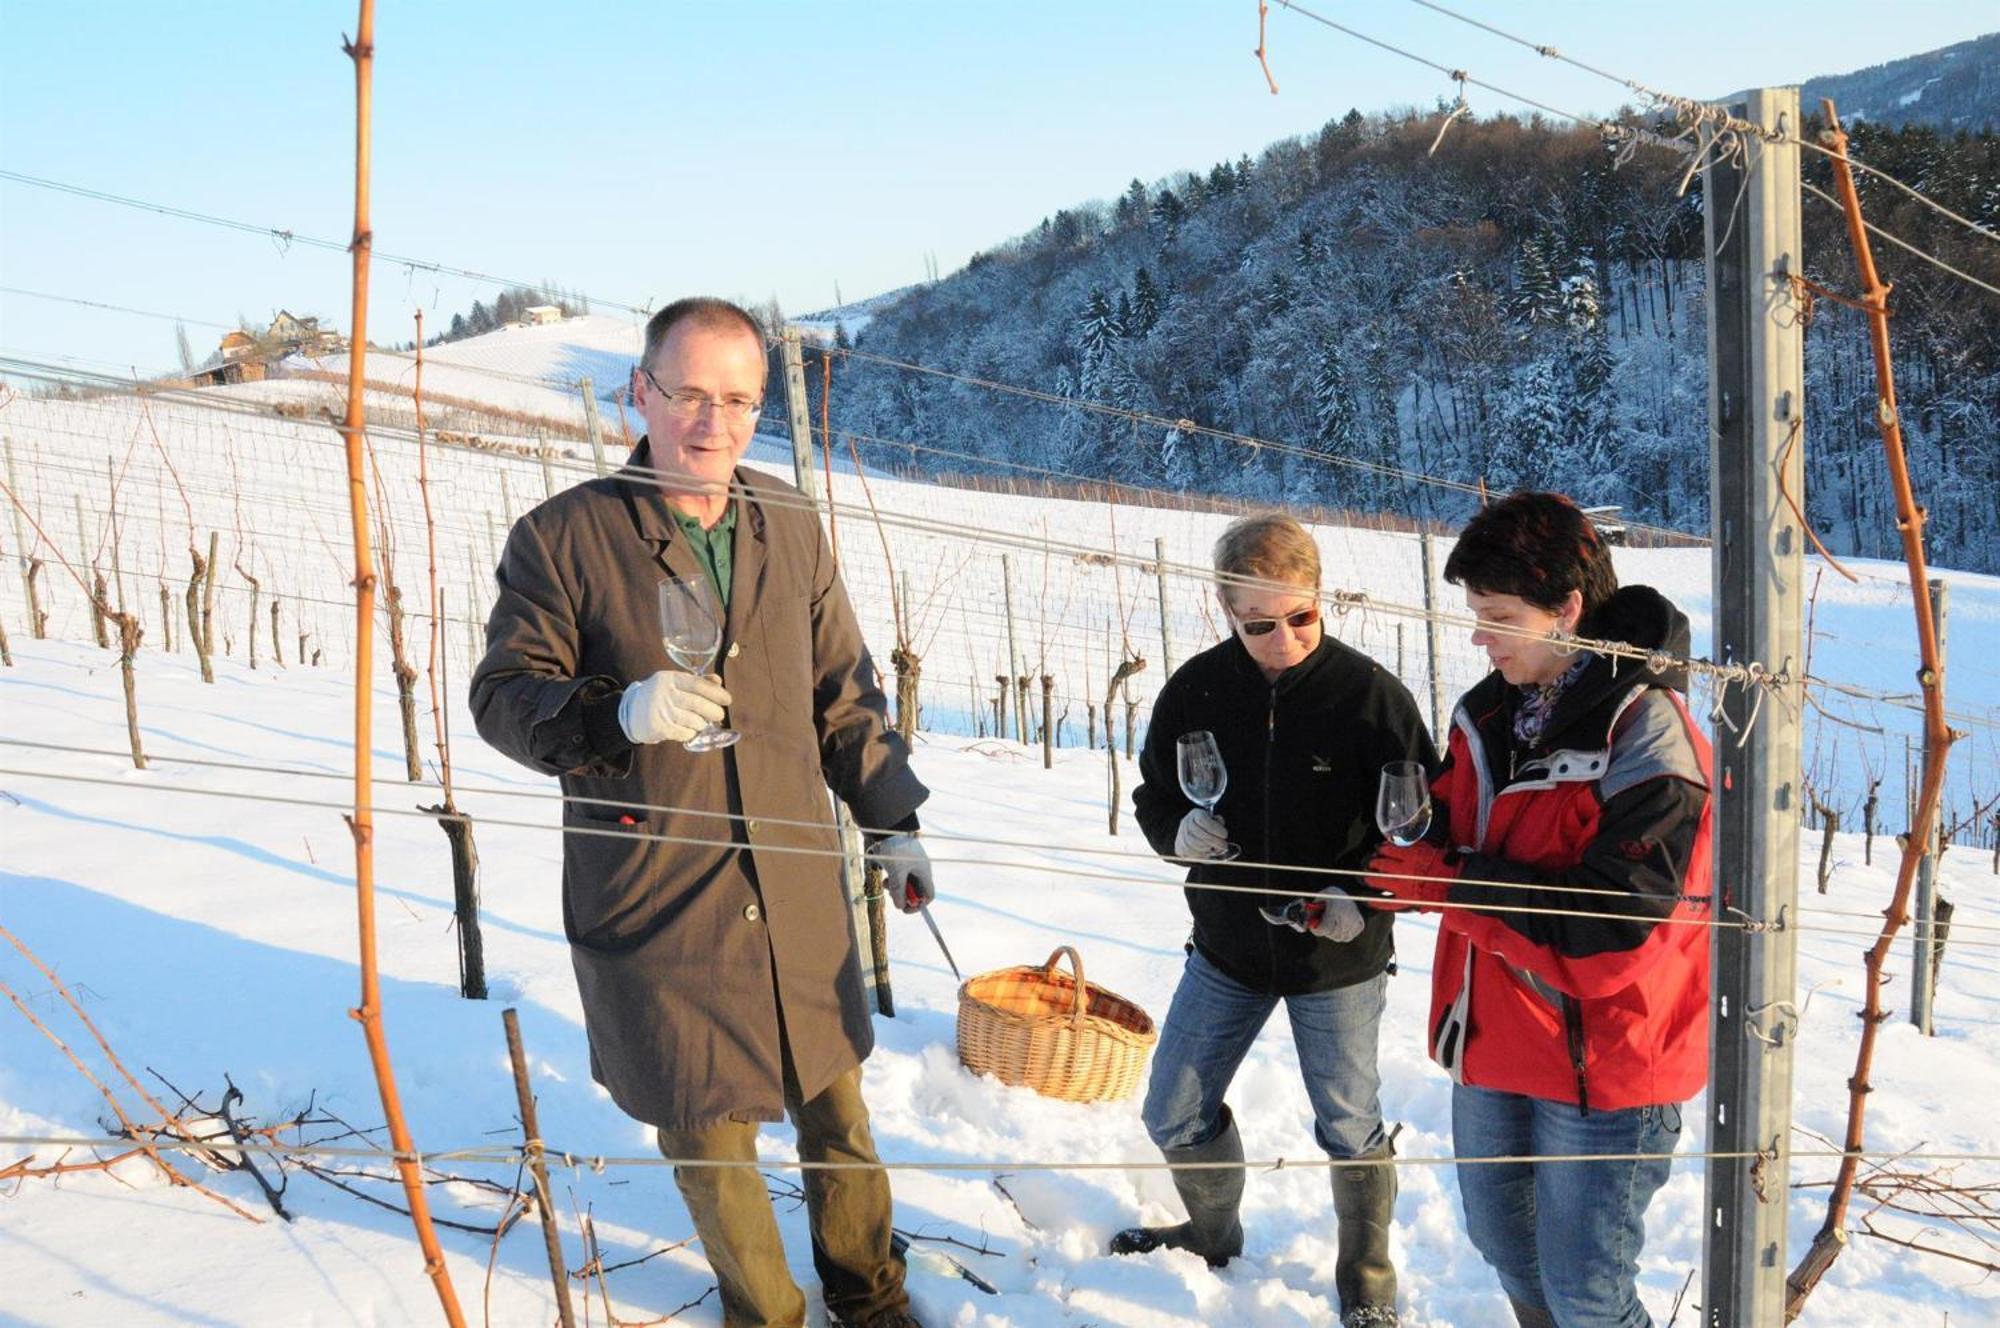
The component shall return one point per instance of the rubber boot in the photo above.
(1364, 1201)
(1212, 1195)
(1531, 1316)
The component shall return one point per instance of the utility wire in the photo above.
(932, 836)
(1743, 922)
(1609, 128)
(807, 851)
(513, 1155)
(287, 237)
(1672, 100)
(1899, 242)
(114, 308)
(1342, 601)
(1929, 202)
(1701, 117)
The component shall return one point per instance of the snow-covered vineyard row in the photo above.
(1075, 608)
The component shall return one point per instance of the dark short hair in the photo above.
(704, 311)
(1539, 546)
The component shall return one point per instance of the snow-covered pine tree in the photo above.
(1096, 329)
(1334, 410)
(1309, 247)
(1537, 298)
(1145, 304)
(1278, 293)
(1131, 208)
(1582, 305)
(1532, 443)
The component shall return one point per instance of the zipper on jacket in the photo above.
(1573, 1026)
(1270, 754)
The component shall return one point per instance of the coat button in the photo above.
(735, 649)
(751, 826)
(751, 913)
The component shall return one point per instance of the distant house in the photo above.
(541, 313)
(243, 369)
(247, 357)
(289, 334)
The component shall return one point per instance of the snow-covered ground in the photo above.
(528, 368)
(211, 936)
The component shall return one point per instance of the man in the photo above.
(1303, 725)
(721, 984)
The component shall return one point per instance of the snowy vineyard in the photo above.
(200, 911)
(1063, 588)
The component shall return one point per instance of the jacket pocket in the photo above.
(608, 902)
(784, 631)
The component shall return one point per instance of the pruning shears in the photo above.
(1298, 914)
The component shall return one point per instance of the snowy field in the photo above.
(214, 935)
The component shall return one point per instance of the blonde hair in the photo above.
(1267, 547)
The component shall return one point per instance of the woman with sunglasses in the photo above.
(1570, 869)
(1303, 725)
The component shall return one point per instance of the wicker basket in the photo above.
(1057, 1034)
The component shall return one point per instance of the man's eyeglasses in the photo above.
(691, 405)
(1298, 622)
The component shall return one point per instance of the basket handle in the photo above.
(1076, 967)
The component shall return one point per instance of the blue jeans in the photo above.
(1563, 1236)
(1209, 1030)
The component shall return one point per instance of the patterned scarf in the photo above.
(1538, 703)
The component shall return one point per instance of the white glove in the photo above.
(906, 871)
(1202, 835)
(671, 706)
(1332, 915)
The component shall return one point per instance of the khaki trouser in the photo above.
(848, 1211)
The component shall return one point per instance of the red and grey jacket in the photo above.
(1572, 966)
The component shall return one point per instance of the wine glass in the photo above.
(1403, 804)
(1203, 776)
(691, 630)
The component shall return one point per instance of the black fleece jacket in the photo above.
(1305, 756)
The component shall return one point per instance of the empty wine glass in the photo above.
(1403, 804)
(691, 630)
(1203, 776)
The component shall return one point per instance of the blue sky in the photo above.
(642, 151)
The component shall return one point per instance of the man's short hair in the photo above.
(702, 311)
(1268, 547)
(1539, 546)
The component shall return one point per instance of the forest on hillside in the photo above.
(1955, 87)
(1522, 307)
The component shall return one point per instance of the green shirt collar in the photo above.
(713, 548)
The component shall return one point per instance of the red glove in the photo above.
(1413, 877)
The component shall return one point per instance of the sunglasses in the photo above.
(1299, 621)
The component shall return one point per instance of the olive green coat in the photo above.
(688, 951)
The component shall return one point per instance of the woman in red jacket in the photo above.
(1569, 864)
